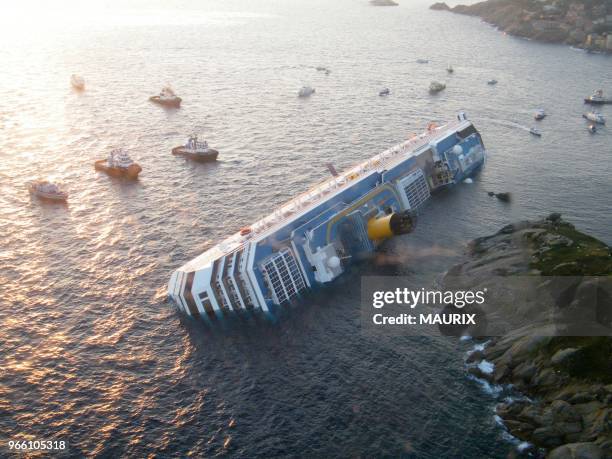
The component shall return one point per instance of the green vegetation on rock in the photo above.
(592, 360)
(565, 251)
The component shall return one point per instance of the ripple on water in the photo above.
(89, 349)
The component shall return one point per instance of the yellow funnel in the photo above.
(384, 227)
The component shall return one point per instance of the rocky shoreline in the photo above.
(587, 26)
(565, 410)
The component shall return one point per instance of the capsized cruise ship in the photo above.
(310, 240)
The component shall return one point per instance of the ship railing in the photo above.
(321, 190)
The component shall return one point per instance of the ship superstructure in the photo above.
(310, 240)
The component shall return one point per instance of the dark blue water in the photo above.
(91, 352)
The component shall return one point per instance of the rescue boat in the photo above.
(118, 164)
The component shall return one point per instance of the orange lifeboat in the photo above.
(244, 231)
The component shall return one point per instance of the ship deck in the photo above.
(322, 191)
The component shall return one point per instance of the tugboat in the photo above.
(119, 164)
(592, 128)
(306, 91)
(384, 92)
(436, 87)
(597, 98)
(47, 190)
(535, 131)
(492, 82)
(198, 151)
(539, 114)
(77, 82)
(167, 98)
(595, 117)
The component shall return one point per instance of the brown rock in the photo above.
(524, 372)
(587, 409)
(532, 415)
(518, 428)
(547, 437)
(511, 410)
(475, 357)
(564, 412)
(581, 397)
(567, 428)
(563, 355)
(501, 372)
(600, 423)
(475, 371)
(546, 378)
(576, 451)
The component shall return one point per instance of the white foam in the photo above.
(522, 446)
(517, 398)
(478, 347)
(491, 389)
(486, 367)
(468, 180)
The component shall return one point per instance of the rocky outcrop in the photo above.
(567, 377)
(383, 3)
(548, 21)
(440, 6)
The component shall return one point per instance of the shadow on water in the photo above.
(201, 165)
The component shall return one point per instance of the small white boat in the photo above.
(492, 82)
(592, 128)
(306, 91)
(167, 97)
(597, 98)
(436, 87)
(539, 114)
(47, 190)
(450, 69)
(77, 82)
(422, 61)
(384, 92)
(535, 131)
(595, 117)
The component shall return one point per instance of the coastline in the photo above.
(544, 22)
(561, 383)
